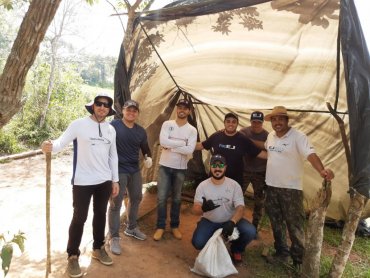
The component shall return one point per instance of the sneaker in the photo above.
(176, 233)
(297, 267)
(73, 268)
(277, 258)
(158, 234)
(136, 233)
(236, 258)
(114, 245)
(102, 256)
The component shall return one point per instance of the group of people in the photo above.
(106, 168)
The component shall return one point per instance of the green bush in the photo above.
(6, 249)
(9, 143)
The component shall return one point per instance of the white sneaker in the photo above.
(136, 233)
(114, 245)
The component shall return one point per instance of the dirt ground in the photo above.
(22, 207)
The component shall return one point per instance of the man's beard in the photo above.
(217, 177)
(228, 132)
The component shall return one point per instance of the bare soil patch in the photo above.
(22, 203)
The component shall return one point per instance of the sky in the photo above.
(102, 33)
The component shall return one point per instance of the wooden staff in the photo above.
(48, 173)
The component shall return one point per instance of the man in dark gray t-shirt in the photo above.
(254, 167)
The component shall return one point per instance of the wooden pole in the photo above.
(315, 232)
(48, 174)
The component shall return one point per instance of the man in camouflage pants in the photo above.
(287, 148)
(254, 167)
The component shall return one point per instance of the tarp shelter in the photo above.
(245, 55)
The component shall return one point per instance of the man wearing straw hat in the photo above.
(287, 149)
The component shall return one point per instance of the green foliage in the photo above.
(360, 249)
(12, 4)
(6, 254)
(9, 143)
(66, 104)
(98, 70)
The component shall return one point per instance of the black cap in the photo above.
(131, 103)
(257, 116)
(183, 102)
(217, 157)
(231, 115)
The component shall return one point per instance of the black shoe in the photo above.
(277, 258)
(297, 267)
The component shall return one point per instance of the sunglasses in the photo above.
(218, 165)
(100, 103)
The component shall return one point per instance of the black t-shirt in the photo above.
(233, 148)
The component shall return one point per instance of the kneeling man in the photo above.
(220, 201)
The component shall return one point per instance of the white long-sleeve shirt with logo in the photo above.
(178, 144)
(95, 157)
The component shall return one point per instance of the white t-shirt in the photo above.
(178, 144)
(285, 159)
(228, 195)
(95, 158)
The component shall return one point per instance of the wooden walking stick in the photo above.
(48, 173)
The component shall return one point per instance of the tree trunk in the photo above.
(355, 209)
(315, 232)
(50, 84)
(25, 48)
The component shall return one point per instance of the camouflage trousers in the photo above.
(285, 210)
(257, 179)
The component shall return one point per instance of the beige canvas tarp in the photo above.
(244, 59)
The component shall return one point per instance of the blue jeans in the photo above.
(170, 180)
(132, 183)
(205, 230)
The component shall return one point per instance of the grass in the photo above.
(358, 264)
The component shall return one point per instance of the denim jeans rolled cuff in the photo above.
(170, 182)
(205, 229)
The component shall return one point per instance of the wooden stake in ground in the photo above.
(355, 209)
(356, 206)
(315, 232)
(48, 174)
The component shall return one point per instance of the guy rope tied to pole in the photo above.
(48, 172)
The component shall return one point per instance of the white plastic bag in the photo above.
(214, 260)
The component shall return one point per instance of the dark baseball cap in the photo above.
(257, 116)
(217, 157)
(231, 115)
(183, 102)
(131, 103)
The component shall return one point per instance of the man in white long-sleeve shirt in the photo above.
(95, 174)
(178, 139)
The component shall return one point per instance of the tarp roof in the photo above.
(245, 55)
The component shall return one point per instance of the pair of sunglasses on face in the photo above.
(101, 103)
(218, 165)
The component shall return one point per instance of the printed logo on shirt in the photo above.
(220, 201)
(230, 147)
(171, 128)
(99, 141)
(276, 149)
